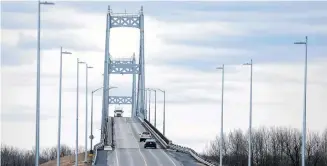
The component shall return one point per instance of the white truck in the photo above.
(118, 112)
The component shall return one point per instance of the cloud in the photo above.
(185, 70)
(23, 116)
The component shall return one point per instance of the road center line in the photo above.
(129, 127)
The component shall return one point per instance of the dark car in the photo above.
(150, 143)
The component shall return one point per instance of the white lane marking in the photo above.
(162, 151)
(172, 161)
(155, 157)
(117, 133)
(136, 127)
(131, 161)
(116, 154)
(129, 127)
(122, 142)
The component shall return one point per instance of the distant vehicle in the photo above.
(118, 113)
(144, 136)
(150, 143)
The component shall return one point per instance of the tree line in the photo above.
(12, 156)
(276, 146)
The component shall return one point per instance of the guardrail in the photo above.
(192, 153)
(96, 147)
(112, 132)
(166, 143)
(110, 125)
(157, 131)
(150, 127)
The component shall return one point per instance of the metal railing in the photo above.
(96, 147)
(166, 143)
(154, 133)
(109, 125)
(190, 151)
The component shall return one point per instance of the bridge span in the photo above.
(128, 151)
(119, 144)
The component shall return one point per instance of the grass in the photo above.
(68, 161)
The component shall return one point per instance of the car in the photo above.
(118, 112)
(144, 136)
(150, 143)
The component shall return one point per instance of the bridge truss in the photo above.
(125, 66)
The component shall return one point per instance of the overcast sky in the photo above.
(184, 43)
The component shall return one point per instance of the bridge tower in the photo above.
(123, 66)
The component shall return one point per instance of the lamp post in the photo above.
(86, 108)
(149, 105)
(222, 115)
(304, 128)
(38, 82)
(59, 112)
(146, 103)
(146, 96)
(164, 112)
(91, 136)
(77, 93)
(155, 107)
(250, 121)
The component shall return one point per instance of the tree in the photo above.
(276, 146)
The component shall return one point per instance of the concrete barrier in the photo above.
(166, 143)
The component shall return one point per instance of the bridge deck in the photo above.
(130, 152)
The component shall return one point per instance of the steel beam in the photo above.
(120, 100)
(121, 68)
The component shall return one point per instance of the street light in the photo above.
(146, 104)
(77, 90)
(149, 104)
(250, 122)
(91, 136)
(155, 106)
(304, 128)
(222, 114)
(38, 82)
(59, 112)
(145, 90)
(86, 108)
(164, 112)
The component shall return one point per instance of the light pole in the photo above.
(222, 114)
(91, 136)
(304, 128)
(155, 107)
(250, 122)
(164, 112)
(77, 90)
(146, 103)
(38, 82)
(86, 108)
(149, 105)
(59, 112)
(146, 96)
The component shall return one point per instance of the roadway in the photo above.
(129, 151)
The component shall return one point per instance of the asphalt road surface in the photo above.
(129, 151)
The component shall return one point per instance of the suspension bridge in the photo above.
(119, 144)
